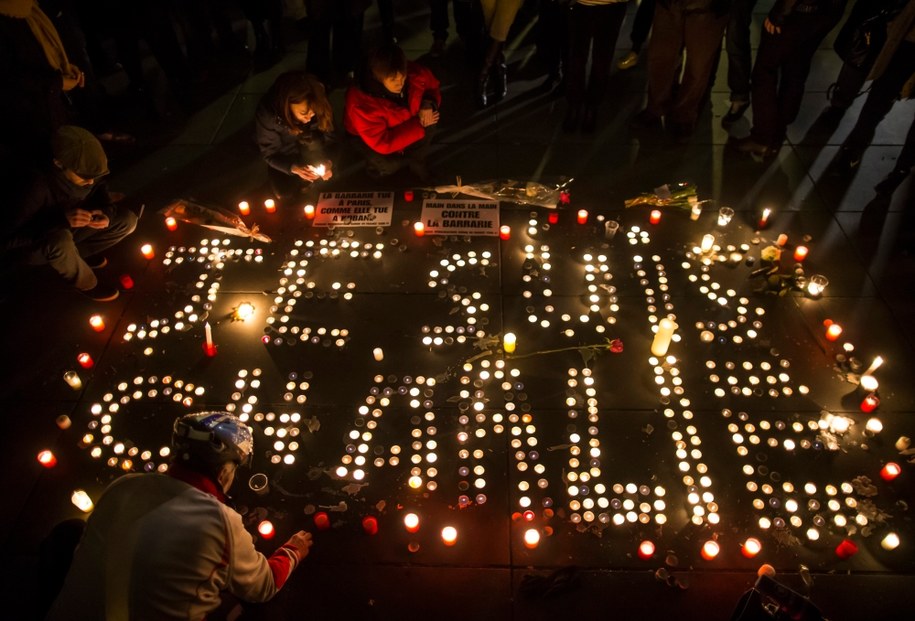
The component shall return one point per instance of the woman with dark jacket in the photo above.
(292, 125)
(391, 112)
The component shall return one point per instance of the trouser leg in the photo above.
(641, 24)
(91, 241)
(58, 249)
(702, 37)
(737, 44)
(606, 29)
(580, 35)
(664, 51)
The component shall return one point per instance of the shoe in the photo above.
(849, 158)
(646, 120)
(628, 61)
(891, 182)
(589, 119)
(750, 146)
(437, 49)
(735, 113)
(573, 118)
(102, 293)
(97, 262)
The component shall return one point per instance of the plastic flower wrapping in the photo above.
(214, 218)
(521, 192)
(682, 194)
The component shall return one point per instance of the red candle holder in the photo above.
(552, 217)
(764, 218)
(266, 529)
(370, 524)
(244, 208)
(411, 522)
(408, 196)
(655, 216)
(97, 323)
(309, 212)
(890, 471)
(171, 224)
(209, 349)
(147, 251)
(505, 232)
(833, 330)
(582, 216)
(870, 403)
(85, 360)
(751, 547)
(419, 228)
(646, 550)
(127, 281)
(47, 459)
(800, 253)
(846, 549)
(322, 520)
(270, 205)
(564, 197)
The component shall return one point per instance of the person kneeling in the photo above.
(391, 113)
(292, 125)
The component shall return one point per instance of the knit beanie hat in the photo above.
(78, 150)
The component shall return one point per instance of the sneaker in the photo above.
(97, 262)
(849, 158)
(628, 61)
(102, 293)
(735, 113)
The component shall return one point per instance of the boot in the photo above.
(490, 59)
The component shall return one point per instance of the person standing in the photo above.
(740, 61)
(498, 17)
(638, 34)
(165, 546)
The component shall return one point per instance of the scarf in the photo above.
(44, 32)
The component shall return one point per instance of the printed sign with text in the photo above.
(461, 217)
(354, 209)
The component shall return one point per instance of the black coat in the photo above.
(279, 147)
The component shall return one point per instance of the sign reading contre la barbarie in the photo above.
(354, 209)
(460, 217)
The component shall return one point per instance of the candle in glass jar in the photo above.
(552, 217)
(378, 354)
(449, 535)
(869, 383)
(582, 216)
(782, 240)
(869, 404)
(846, 549)
(82, 501)
(309, 212)
(708, 241)
(126, 281)
(890, 471)
(270, 205)
(764, 218)
(322, 520)
(833, 330)
(800, 253)
(408, 196)
(244, 208)
(171, 224)
(370, 524)
(411, 522)
(873, 425)
(147, 251)
(505, 232)
(266, 529)
(662, 339)
(890, 541)
(85, 360)
(655, 216)
(47, 459)
(509, 341)
(751, 547)
(531, 538)
(97, 323)
(419, 228)
(710, 549)
(646, 550)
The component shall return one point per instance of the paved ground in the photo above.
(646, 449)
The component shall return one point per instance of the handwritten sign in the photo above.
(354, 209)
(461, 217)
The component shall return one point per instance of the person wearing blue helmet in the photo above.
(165, 546)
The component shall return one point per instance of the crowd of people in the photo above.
(65, 216)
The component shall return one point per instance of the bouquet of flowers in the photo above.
(521, 192)
(681, 194)
(212, 218)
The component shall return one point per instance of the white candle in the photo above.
(869, 383)
(73, 380)
(874, 425)
(662, 339)
(903, 443)
(890, 542)
(82, 501)
(708, 241)
(874, 366)
(209, 334)
(378, 354)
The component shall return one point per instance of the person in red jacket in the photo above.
(391, 113)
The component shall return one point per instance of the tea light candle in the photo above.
(411, 522)
(147, 251)
(126, 281)
(646, 550)
(764, 218)
(869, 404)
(259, 483)
(171, 224)
(322, 520)
(903, 443)
(531, 538)
(419, 228)
(800, 253)
(708, 241)
(82, 501)
(270, 205)
(378, 354)
(408, 196)
(655, 216)
(509, 341)
(869, 383)
(582, 216)
(710, 549)
(266, 529)
(73, 380)
(244, 208)
(309, 212)
(890, 471)
(85, 360)
(97, 323)
(661, 342)
(449, 535)
(505, 232)
(370, 524)
(846, 549)
(751, 547)
(47, 459)
(63, 421)
(781, 240)
(890, 541)
(833, 330)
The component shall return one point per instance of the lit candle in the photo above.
(73, 380)
(708, 241)
(209, 348)
(505, 231)
(322, 520)
(449, 535)
(408, 196)
(764, 218)
(266, 529)
(126, 281)
(724, 216)
(309, 212)
(890, 471)
(370, 524)
(655, 216)
(800, 253)
(662, 339)
(82, 501)
(782, 240)
(147, 251)
(876, 364)
(890, 542)
(419, 228)
(816, 285)
(320, 170)
(903, 443)
(751, 547)
(85, 360)
(582, 216)
(869, 383)
(97, 323)
(63, 421)
(411, 522)
(869, 404)
(552, 217)
(710, 549)
(833, 330)
(378, 354)
(171, 224)
(846, 549)
(646, 550)
(531, 538)
(244, 208)
(47, 459)
(695, 210)
(270, 205)
(509, 341)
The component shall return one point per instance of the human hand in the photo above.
(78, 218)
(328, 170)
(75, 79)
(771, 28)
(427, 117)
(98, 220)
(300, 543)
(304, 172)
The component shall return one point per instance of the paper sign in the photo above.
(460, 217)
(354, 209)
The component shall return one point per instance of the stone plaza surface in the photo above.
(751, 429)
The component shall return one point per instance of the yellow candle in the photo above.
(508, 342)
(662, 339)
